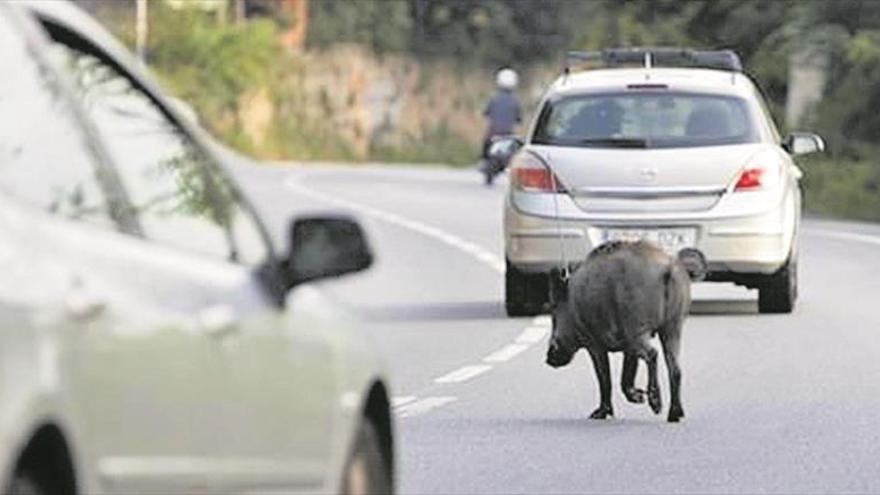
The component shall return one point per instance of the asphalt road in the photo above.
(787, 403)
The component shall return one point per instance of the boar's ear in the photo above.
(558, 287)
(694, 262)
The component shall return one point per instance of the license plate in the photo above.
(670, 240)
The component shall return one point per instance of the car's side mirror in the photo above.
(503, 147)
(803, 143)
(325, 246)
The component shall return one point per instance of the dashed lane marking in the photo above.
(401, 400)
(542, 320)
(463, 374)
(422, 406)
(407, 406)
(505, 353)
(532, 335)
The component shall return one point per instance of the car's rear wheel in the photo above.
(778, 293)
(367, 471)
(525, 294)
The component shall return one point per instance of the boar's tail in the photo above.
(667, 289)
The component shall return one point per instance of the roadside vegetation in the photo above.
(280, 103)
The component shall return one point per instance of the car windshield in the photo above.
(645, 120)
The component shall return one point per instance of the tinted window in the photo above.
(46, 159)
(646, 120)
(179, 197)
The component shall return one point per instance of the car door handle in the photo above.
(83, 306)
(218, 321)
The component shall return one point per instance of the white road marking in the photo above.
(847, 236)
(543, 320)
(401, 400)
(463, 374)
(481, 254)
(505, 353)
(532, 335)
(422, 406)
(406, 406)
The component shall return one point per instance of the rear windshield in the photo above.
(645, 120)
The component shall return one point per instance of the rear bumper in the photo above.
(755, 244)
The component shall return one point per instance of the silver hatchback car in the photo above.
(679, 150)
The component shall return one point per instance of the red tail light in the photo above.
(535, 180)
(750, 178)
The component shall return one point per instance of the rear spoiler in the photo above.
(726, 60)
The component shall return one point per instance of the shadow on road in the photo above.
(478, 310)
(724, 307)
(493, 310)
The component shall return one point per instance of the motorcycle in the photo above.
(500, 150)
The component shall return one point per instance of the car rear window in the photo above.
(647, 119)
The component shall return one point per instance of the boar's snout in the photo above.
(557, 356)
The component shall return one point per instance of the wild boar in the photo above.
(616, 300)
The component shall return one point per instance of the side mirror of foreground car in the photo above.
(325, 246)
(503, 147)
(803, 143)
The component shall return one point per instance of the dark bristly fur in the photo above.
(621, 296)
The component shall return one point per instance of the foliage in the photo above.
(382, 26)
(212, 65)
(842, 188)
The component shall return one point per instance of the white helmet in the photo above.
(507, 79)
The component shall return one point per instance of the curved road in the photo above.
(786, 403)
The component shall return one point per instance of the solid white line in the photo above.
(505, 353)
(486, 257)
(401, 400)
(847, 236)
(463, 374)
(422, 406)
(532, 335)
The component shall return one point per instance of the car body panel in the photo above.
(167, 372)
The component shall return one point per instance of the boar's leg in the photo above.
(603, 375)
(628, 379)
(670, 341)
(642, 348)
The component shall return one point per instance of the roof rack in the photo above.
(656, 57)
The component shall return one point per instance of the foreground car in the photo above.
(683, 157)
(150, 340)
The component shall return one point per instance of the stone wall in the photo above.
(394, 101)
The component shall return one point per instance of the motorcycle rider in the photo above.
(502, 112)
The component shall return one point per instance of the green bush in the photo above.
(211, 65)
(842, 189)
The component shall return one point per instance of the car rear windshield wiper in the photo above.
(616, 142)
